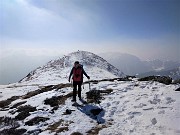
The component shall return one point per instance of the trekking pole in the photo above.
(89, 85)
(71, 83)
(83, 85)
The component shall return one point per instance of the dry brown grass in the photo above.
(95, 130)
(5, 103)
(59, 126)
(18, 104)
(36, 120)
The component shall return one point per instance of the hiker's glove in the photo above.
(88, 77)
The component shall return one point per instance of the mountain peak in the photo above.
(57, 71)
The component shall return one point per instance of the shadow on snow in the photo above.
(93, 111)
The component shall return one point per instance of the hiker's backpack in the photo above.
(77, 74)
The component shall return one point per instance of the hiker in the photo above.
(77, 72)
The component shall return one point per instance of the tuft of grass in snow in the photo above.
(45, 89)
(94, 96)
(59, 126)
(5, 103)
(95, 130)
(24, 112)
(18, 104)
(36, 120)
(10, 126)
(57, 100)
(13, 131)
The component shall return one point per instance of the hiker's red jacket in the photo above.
(83, 72)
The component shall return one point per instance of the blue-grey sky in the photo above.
(146, 28)
(149, 29)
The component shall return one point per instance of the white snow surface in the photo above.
(137, 108)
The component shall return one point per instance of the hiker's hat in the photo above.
(76, 62)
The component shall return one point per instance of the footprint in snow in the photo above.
(155, 100)
(135, 113)
(111, 98)
(141, 105)
(108, 104)
(112, 110)
(169, 100)
(147, 109)
(161, 112)
(116, 102)
(142, 87)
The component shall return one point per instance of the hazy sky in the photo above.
(146, 28)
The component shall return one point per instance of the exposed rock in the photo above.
(154, 121)
(162, 79)
(76, 133)
(178, 89)
(176, 81)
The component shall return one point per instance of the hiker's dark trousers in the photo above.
(75, 84)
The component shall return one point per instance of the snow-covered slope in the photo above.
(132, 107)
(57, 71)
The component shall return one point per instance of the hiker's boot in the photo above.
(80, 98)
(73, 100)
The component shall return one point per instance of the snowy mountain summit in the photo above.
(57, 71)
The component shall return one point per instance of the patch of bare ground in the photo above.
(18, 104)
(59, 126)
(95, 130)
(36, 120)
(24, 112)
(94, 96)
(5, 103)
(76, 133)
(57, 100)
(45, 89)
(127, 78)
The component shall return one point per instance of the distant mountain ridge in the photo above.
(132, 65)
(127, 63)
(57, 71)
(159, 65)
(173, 73)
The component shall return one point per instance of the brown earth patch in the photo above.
(36, 120)
(95, 130)
(59, 126)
